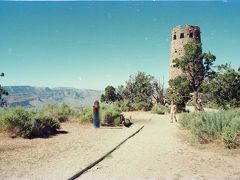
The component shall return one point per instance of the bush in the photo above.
(185, 119)
(209, 126)
(76, 113)
(117, 121)
(60, 112)
(142, 106)
(86, 115)
(210, 104)
(2, 120)
(64, 112)
(160, 109)
(124, 105)
(43, 125)
(18, 121)
(109, 114)
(28, 124)
(229, 137)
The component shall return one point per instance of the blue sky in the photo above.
(94, 44)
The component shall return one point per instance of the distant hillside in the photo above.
(37, 97)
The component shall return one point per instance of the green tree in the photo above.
(224, 88)
(197, 67)
(102, 99)
(110, 95)
(138, 90)
(120, 92)
(179, 92)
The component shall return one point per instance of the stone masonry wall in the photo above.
(181, 35)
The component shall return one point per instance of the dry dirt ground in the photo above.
(158, 151)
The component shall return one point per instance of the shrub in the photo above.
(185, 119)
(117, 121)
(209, 126)
(235, 123)
(43, 125)
(60, 112)
(2, 120)
(76, 113)
(124, 105)
(109, 113)
(142, 106)
(199, 128)
(229, 137)
(160, 109)
(18, 121)
(86, 115)
(28, 124)
(211, 105)
(64, 112)
(107, 116)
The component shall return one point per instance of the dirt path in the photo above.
(157, 152)
(57, 157)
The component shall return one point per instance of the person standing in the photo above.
(173, 110)
(96, 119)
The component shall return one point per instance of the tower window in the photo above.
(197, 35)
(174, 37)
(181, 35)
(191, 35)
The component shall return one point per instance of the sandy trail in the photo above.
(156, 152)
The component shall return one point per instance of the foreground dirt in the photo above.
(60, 156)
(158, 151)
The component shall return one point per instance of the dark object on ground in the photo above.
(126, 122)
(109, 122)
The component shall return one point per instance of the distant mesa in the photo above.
(38, 97)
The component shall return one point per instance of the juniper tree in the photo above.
(196, 66)
(224, 88)
(138, 90)
(179, 92)
(110, 95)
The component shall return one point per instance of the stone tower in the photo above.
(180, 36)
